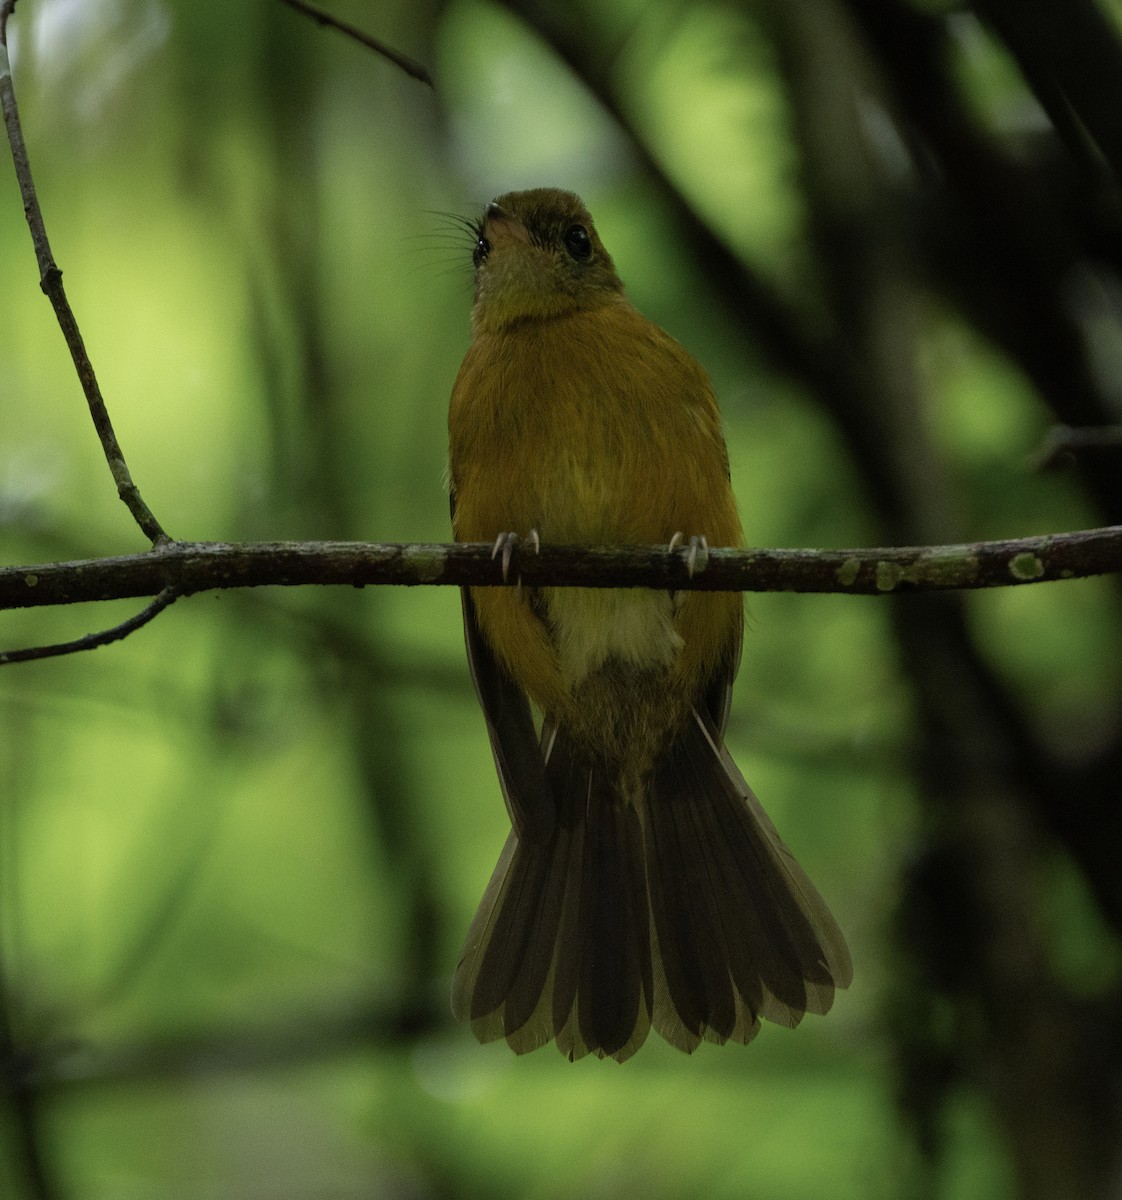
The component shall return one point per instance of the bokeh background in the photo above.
(239, 850)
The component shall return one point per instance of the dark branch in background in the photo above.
(1073, 75)
(50, 280)
(409, 65)
(20, 1089)
(21, 1104)
(1063, 442)
(997, 231)
(92, 640)
(188, 567)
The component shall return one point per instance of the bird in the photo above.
(642, 883)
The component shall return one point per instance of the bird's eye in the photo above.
(482, 249)
(577, 242)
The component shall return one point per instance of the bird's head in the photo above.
(538, 256)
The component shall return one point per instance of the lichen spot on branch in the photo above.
(847, 573)
(1026, 567)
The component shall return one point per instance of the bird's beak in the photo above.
(500, 228)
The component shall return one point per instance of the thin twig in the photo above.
(91, 641)
(408, 65)
(192, 567)
(50, 280)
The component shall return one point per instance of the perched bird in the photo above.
(642, 882)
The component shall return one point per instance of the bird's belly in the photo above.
(592, 625)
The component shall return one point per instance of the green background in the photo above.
(238, 851)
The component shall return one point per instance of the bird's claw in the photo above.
(697, 557)
(504, 547)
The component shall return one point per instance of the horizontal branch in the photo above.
(190, 567)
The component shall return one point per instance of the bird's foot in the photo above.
(697, 557)
(504, 548)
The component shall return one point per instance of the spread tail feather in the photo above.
(680, 908)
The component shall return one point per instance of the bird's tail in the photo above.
(679, 907)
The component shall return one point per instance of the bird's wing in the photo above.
(514, 741)
(718, 691)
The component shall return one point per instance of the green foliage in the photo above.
(238, 851)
